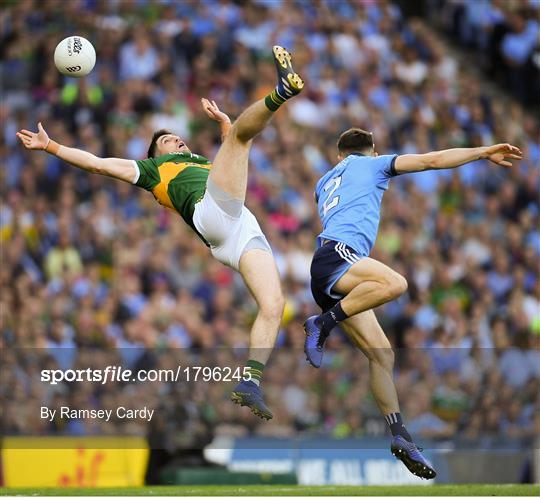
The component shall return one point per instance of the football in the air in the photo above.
(75, 56)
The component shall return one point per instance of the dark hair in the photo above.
(155, 136)
(355, 140)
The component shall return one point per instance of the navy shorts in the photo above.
(330, 262)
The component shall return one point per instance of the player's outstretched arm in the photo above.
(452, 158)
(123, 169)
(212, 111)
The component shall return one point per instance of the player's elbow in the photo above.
(432, 160)
(97, 166)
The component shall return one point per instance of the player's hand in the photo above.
(500, 153)
(34, 141)
(212, 111)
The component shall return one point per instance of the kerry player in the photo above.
(347, 284)
(210, 198)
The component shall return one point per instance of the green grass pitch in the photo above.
(276, 490)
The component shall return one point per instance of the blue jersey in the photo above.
(349, 200)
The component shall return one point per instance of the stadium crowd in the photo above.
(95, 272)
(504, 37)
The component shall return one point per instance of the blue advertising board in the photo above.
(318, 461)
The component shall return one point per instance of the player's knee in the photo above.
(239, 134)
(401, 284)
(272, 308)
(396, 285)
(384, 357)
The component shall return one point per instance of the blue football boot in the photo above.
(249, 394)
(411, 457)
(314, 343)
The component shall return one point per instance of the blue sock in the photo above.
(397, 428)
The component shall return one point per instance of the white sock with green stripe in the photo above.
(255, 369)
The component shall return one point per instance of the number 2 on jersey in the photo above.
(330, 201)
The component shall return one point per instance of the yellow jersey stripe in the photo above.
(167, 172)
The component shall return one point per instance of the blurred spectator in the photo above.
(505, 36)
(421, 420)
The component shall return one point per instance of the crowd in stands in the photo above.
(94, 272)
(503, 37)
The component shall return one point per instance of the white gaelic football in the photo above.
(75, 56)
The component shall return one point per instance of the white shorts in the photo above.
(229, 236)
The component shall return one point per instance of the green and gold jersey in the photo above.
(177, 180)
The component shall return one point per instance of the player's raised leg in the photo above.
(367, 334)
(366, 284)
(369, 283)
(227, 182)
(230, 167)
(261, 276)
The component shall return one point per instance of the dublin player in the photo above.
(347, 284)
(210, 198)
